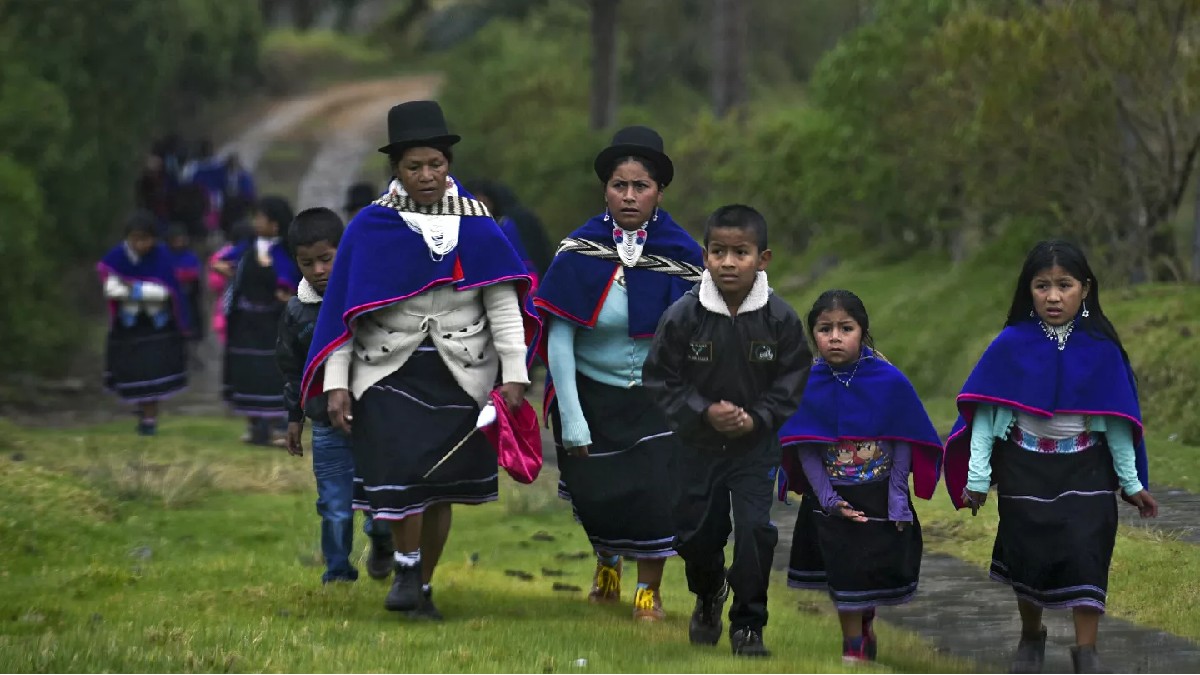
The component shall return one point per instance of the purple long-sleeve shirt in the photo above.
(828, 466)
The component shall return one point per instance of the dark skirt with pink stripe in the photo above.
(403, 425)
(144, 363)
(1058, 524)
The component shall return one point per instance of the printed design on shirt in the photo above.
(701, 352)
(763, 352)
(857, 461)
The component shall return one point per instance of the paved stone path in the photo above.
(966, 614)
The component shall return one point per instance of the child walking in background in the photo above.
(145, 356)
(313, 238)
(849, 449)
(727, 367)
(1050, 415)
(263, 278)
(219, 272)
(187, 272)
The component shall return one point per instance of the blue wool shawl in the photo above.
(1024, 370)
(575, 285)
(880, 404)
(380, 262)
(158, 267)
(286, 273)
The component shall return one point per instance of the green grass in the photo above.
(191, 552)
(1150, 583)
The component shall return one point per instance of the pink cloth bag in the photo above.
(517, 440)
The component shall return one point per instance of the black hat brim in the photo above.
(445, 140)
(604, 161)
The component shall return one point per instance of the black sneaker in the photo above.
(748, 642)
(706, 626)
(426, 610)
(405, 595)
(1086, 660)
(380, 560)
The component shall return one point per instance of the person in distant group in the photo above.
(238, 192)
(420, 319)
(522, 227)
(727, 367)
(145, 357)
(602, 298)
(358, 197)
(263, 277)
(313, 238)
(860, 432)
(1050, 415)
(187, 273)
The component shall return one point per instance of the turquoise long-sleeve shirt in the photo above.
(993, 422)
(605, 353)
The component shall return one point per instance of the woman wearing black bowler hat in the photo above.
(422, 312)
(602, 296)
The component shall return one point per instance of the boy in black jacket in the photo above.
(313, 239)
(727, 366)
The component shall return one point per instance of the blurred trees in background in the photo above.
(83, 89)
(898, 125)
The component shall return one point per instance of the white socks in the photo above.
(408, 559)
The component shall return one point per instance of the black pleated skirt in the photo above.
(1058, 524)
(624, 491)
(253, 383)
(862, 565)
(403, 425)
(144, 363)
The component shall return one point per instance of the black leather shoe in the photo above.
(405, 595)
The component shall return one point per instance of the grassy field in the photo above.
(189, 552)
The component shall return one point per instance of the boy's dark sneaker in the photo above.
(426, 610)
(380, 559)
(1031, 654)
(706, 626)
(405, 595)
(1086, 660)
(854, 650)
(748, 641)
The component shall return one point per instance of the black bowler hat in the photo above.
(636, 141)
(417, 123)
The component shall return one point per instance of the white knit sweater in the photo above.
(476, 332)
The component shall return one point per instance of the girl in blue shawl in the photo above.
(1050, 416)
(859, 433)
(603, 296)
(145, 356)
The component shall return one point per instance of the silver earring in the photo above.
(606, 216)
(1086, 313)
(1032, 313)
(655, 218)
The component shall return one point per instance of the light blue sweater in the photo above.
(992, 422)
(604, 353)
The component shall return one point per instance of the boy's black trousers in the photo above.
(710, 484)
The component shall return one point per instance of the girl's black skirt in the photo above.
(253, 383)
(403, 425)
(1058, 524)
(862, 565)
(144, 363)
(624, 491)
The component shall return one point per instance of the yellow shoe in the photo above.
(647, 605)
(606, 584)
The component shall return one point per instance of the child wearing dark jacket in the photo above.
(313, 239)
(727, 366)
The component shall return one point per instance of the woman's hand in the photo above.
(843, 510)
(578, 451)
(223, 267)
(339, 407)
(513, 394)
(1144, 501)
(295, 445)
(973, 499)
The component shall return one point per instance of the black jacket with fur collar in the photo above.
(701, 355)
(296, 325)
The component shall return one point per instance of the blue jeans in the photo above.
(333, 466)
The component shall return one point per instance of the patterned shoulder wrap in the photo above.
(656, 263)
